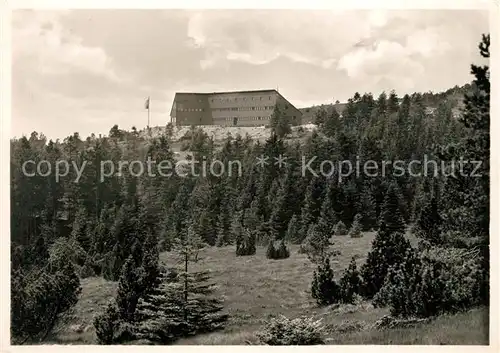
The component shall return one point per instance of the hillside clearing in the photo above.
(255, 289)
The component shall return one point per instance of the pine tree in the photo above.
(316, 244)
(280, 124)
(150, 264)
(125, 235)
(312, 206)
(281, 211)
(185, 306)
(282, 251)
(350, 283)
(368, 210)
(79, 230)
(340, 228)
(328, 217)
(129, 290)
(292, 230)
(237, 229)
(332, 123)
(355, 231)
(246, 244)
(324, 289)
(388, 249)
(106, 325)
(277, 250)
(224, 225)
(428, 224)
(390, 214)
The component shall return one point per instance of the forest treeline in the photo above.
(115, 226)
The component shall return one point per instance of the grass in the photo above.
(255, 288)
(468, 328)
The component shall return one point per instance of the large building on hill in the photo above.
(238, 108)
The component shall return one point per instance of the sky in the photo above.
(86, 70)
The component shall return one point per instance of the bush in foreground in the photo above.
(282, 331)
(433, 282)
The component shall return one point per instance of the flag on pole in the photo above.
(146, 104)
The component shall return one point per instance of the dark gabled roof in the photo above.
(229, 92)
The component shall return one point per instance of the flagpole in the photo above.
(149, 107)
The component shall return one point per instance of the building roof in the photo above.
(230, 92)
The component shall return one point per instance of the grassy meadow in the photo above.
(255, 288)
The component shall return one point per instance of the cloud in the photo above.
(39, 37)
(313, 37)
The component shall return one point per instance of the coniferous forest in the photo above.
(429, 255)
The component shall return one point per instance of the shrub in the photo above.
(388, 249)
(340, 228)
(436, 281)
(277, 253)
(246, 245)
(282, 331)
(355, 231)
(106, 325)
(315, 244)
(67, 248)
(350, 283)
(323, 288)
(40, 298)
(282, 251)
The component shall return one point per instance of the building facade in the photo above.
(241, 108)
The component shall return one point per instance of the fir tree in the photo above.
(327, 217)
(277, 252)
(150, 264)
(185, 306)
(316, 244)
(388, 249)
(293, 228)
(340, 228)
(332, 123)
(129, 290)
(79, 230)
(324, 289)
(246, 245)
(106, 325)
(350, 283)
(428, 225)
(368, 210)
(355, 231)
(390, 214)
(312, 206)
(280, 124)
(282, 212)
(224, 225)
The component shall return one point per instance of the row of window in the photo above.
(267, 107)
(190, 109)
(244, 118)
(239, 99)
